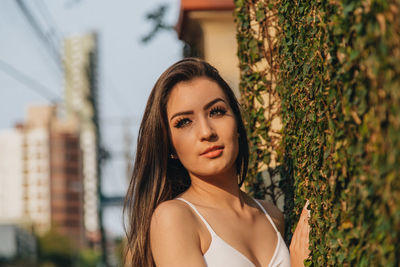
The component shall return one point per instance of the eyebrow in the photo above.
(208, 105)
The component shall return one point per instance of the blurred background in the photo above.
(74, 80)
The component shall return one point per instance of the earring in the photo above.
(172, 156)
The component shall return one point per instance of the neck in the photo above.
(220, 191)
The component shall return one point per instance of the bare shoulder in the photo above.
(172, 214)
(171, 210)
(276, 215)
(173, 233)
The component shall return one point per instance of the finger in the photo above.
(306, 210)
(304, 215)
(295, 237)
(305, 235)
(308, 240)
(304, 227)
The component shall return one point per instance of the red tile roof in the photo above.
(189, 5)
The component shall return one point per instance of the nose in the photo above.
(206, 130)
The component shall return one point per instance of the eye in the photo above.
(217, 111)
(182, 122)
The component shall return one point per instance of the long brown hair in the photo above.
(156, 177)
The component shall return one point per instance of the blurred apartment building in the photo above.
(15, 243)
(40, 174)
(11, 175)
(80, 62)
(49, 163)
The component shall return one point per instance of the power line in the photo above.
(54, 29)
(54, 53)
(48, 14)
(29, 82)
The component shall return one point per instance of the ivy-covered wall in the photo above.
(259, 98)
(339, 87)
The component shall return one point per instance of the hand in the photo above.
(299, 250)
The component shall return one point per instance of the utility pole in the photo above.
(128, 141)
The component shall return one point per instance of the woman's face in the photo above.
(203, 128)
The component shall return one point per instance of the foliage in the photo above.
(120, 245)
(261, 106)
(59, 250)
(55, 250)
(339, 87)
(157, 16)
(89, 258)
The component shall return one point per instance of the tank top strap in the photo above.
(198, 213)
(266, 213)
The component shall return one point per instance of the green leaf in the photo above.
(260, 15)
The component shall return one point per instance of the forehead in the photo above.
(193, 94)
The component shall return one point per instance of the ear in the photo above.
(173, 155)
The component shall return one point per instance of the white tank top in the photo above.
(220, 253)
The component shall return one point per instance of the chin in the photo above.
(212, 167)
(213, 171)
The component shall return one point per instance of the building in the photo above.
(209, 30)
(36, 166)
(80, 99)
(66, 188)
(11, 175)
(41, 174)
(17, 244)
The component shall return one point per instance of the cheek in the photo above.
(181, 142)
(229, 133)
(233, 133)
(183, 146)
(235, 140)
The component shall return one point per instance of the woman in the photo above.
(184, 201)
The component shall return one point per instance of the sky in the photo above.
(127, 68)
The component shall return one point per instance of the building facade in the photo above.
(11, 175)
(209, 30)
(36, 166)
(41, 175)
(17, 244)
(66, 187)
(80, 99)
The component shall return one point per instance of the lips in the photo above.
(213, 151)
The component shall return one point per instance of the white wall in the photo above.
(11, 175)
